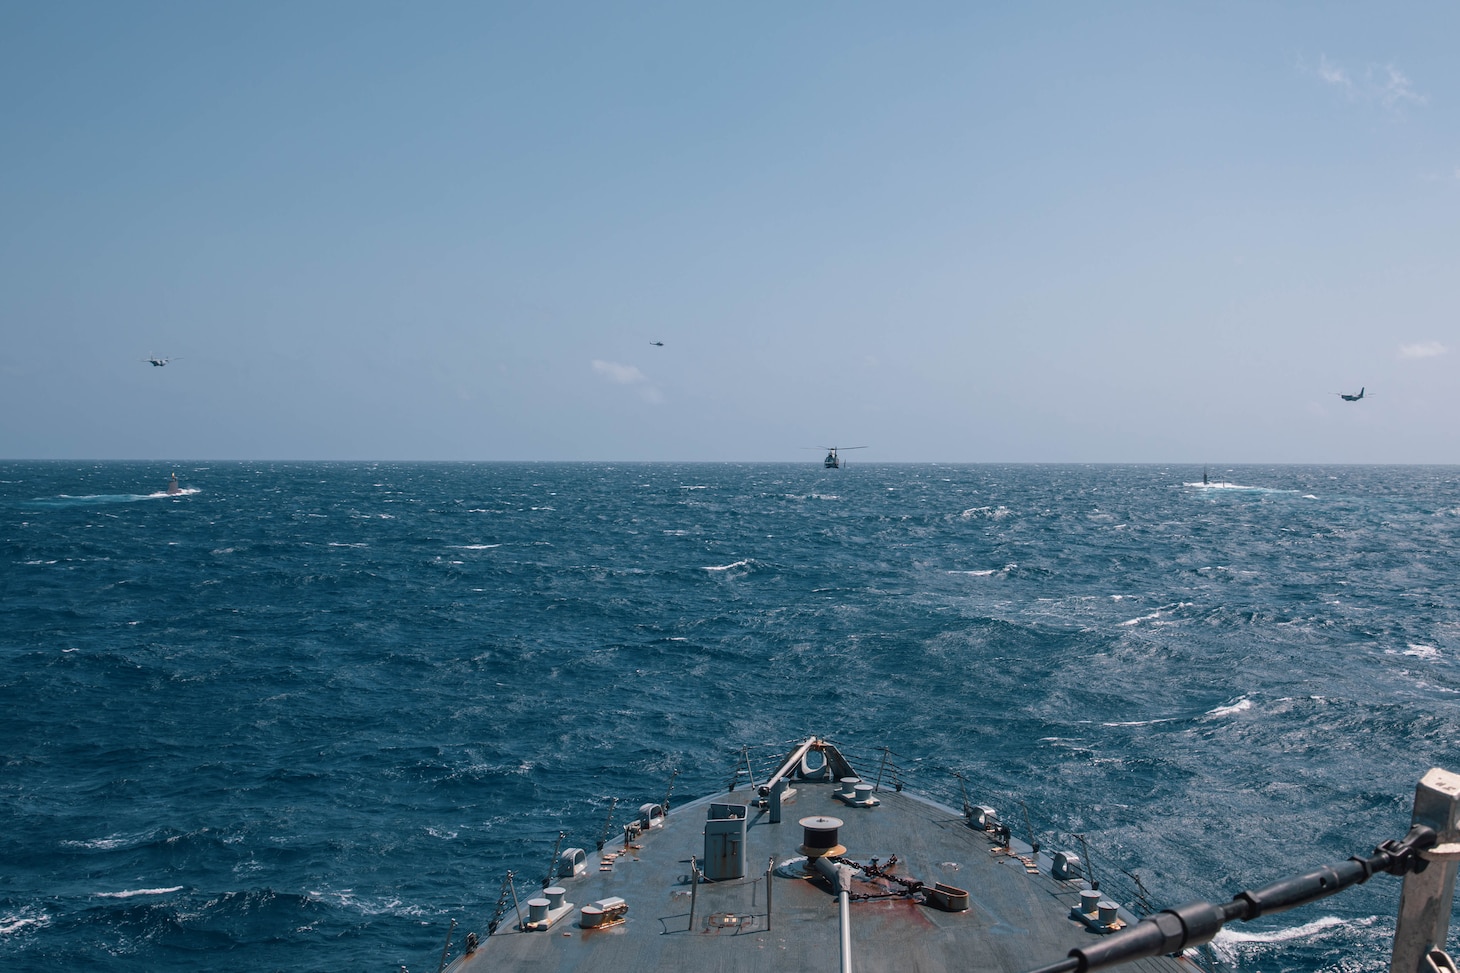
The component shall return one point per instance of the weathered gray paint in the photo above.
(1424, 903)
(1016, 920)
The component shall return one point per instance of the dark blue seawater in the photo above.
(303, 715)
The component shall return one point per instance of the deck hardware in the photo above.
(604, 913)
(694, 887)
(726, 845)
(839, 875)
(1097, 912)
(819, 837)
(963, 789)
(607, 823)
(1442, 853)
(1066, 866)
(553, 862)
(792, 761)
(1437, 961)
(1196, 923)
(949, 898)
(508, 888)
(887, 754)
(572, 863)
(547, 909)
(650, 816)
(1144, 897)
(744, 766)
(983, 817)
(1029, 826)
(1429, 889)
(852, 791)
(781, 793)
(769, 885)
(1089, 865)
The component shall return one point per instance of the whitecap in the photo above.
(347, 899)
(110, 843)
(728, 567)
(1229, 935)
(132, 893)
(11, 925)
(1422, 651)
(988, 513)
(1237, 486)
(1241, 705)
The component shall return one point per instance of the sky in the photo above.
(1117, 232)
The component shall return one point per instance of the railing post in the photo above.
(770, 873)
(694, 889)
(447, 948)
(1424, 902)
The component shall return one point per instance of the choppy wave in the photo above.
(1231, 935)
(732, 566)
(317, 710)
(1244, 487)
(17, 925)
(97, 499)
(1232, 709)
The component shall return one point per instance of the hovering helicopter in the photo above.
(657, 344)
(1350, 398)
(833, 461)
(158, 362)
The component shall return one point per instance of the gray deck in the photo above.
(1018, 919)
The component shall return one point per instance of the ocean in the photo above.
(303, 715)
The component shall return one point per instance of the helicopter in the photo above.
(833, 461)
(158, 362)
(1350, 398)
(657, 344)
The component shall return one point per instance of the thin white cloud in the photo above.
(1394, 89)
(629, 375)
(1333, 74)
(1423, 349)
(622, 374)
(1377, 84)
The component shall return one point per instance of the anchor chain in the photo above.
(911, 887)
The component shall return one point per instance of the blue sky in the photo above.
(1046, 232)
